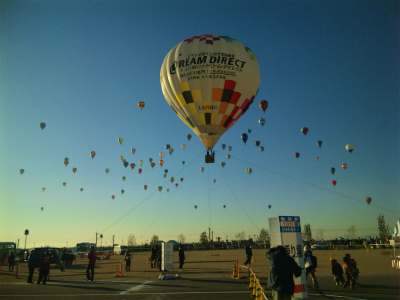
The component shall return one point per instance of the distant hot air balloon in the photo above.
(244, 138)
(133, 150)
(368, 200)
(145, 187)
(107, 170)
(257, 143)
(150, 160)
(214, 180)
(333, 170)
(170, 151)
(74, 170)
(176, 185)
(249, 170)
(207, 104)
(202, 169)
(183, 147)
(167, 146)
(92, 154)
(161, 162)
(132, 166)
(166, 171)
(189, 136)
(228, 156)
(350, 148)
(319, 143)
(160, 188)
(121, 158)
(172, 179)
(317, 158)
(66, 159)
(113, 197)
(43, 189)
(21, 171)
(126, 164)
(164, 175)
(229, 148)
(263, 105)
(120, 140)
(222, 164)
(297, 154)
(261, 121)
(122, 192)
(42, 208)
(64, 183)
(269, 206)
(223, 146)
(81, 189)
(167, 190)
(141, 162)
(181, 179)
(195, 207)
(334, 182)
(248, 131)
(66, 162)
(141, 105)
(344, 166)
(123, 178)
(262, 148)
(304, 130)
(140, 170)
(223, 206)
(152, 164)
(183, 162)
(161, 154)
(42, 125)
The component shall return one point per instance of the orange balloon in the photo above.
(161, 162)
(141, 105)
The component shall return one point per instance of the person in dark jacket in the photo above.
(249, 255)
(181, 257)
(282, 269)
(33, 261)
(127, 261)
(92, 261)
(153, 258)
(11, 262)
(44, 266)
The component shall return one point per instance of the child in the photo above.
(337, 271)
(348, 272)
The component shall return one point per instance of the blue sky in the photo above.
(82, 66)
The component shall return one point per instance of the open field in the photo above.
(378, 279)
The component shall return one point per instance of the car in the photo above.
(69, 257)
(320, 246)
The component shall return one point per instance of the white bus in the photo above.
(82, 248)
(120, 249)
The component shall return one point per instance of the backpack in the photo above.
(314, 261)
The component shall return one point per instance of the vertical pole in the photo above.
(96, 239)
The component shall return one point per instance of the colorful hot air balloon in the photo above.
(368, 200)
(229, 148)
(222, 164)
(64, 183)
(350, 148)
(74, 170)
(107, 170)
(244, 138)
(297, 154)
(263, 105)
(181, 179)
(150, 160)
(333, 170)
(183, 147)
(319, 143)
(123, 178)
(120, 140)
(170, 151)
(145, 187)
(202, 169)
(317, 158)
(344, 166)
(209, 105)
(43, 189)
(248, 131)
(140, 170)
(257, 143)
(132, 166)
(167, 190)
(126, 164)
(164, 175)
(42, 208)
(66, 162)
(223, 146)
(334, 182)
(214, 180)
(141, 162)
(176, 185)
(167, 146)
(92, 154)
(261, 121)
(113, 197)
(141, 105)
(133, 150)
(161, 162)
(42, 125)
(152, 164)
(160, 188)
(21, 171)
(262, 148)
(81, 189)
(228, 156)
(195, 207)
(121, 158)
(161, 154)
(304, 130)
(249, 170)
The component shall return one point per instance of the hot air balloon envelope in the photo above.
(304, 130)
(350, 148)
(204, 103)
(319, 143)
(368, 200)
(344, 166)
(42, 125)
(263, 105)
(141, 104)
(261, 121)
(120, 140)
(297, 154)
(244, 137)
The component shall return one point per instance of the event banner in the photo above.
(286, 231)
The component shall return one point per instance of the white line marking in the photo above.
(135, 288)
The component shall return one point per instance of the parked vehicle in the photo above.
(320, 246)
(69, 257)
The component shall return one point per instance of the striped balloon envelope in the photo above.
(210, 81)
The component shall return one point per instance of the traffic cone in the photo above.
(116, 271)
(148, 260)
(254, 258)
(249, 275)
(255, 287)
(239, 275)
(331, 257)
(252, 280)
(234, 274)
(258, 292)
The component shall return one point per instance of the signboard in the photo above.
(167, 256)
(286, 231)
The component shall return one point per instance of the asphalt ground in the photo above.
(205, 275)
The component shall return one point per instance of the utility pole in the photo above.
(113, 241)
(96, 239)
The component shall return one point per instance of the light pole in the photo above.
(26, 236)
(101, 237)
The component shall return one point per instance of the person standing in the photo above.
(249, 255)
(282, 269)
(310, 265)
(44, 266)
(127, 261)
(32, 264)
(92, 261)
(181, 257)
(11, 262)
(153, 258)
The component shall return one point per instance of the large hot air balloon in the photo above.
(21, 171)
(344, 166)
(297, 154)
(92, 154)
(244, 138)
(304, 130)
(120, 140)
(66, 162)
(141, 162)
(249, 170)
(141, 104)
(319, 143)
(170, 151)
(261, 121)
(350, 148)
(210, 104)
(368, 200)
(42, 125)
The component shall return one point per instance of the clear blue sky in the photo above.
(82, 66)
